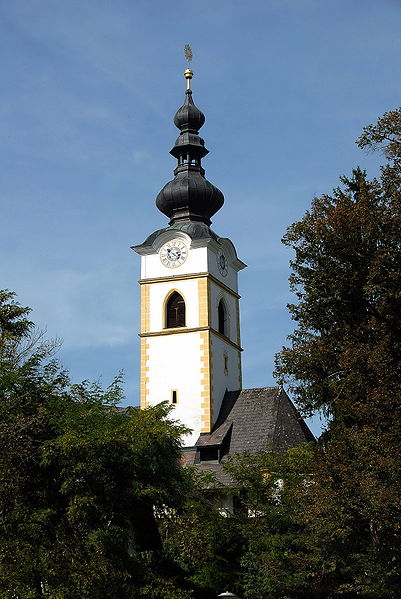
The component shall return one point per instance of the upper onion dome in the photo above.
(189, 195)
(189, 117)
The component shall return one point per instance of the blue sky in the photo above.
(89, 89)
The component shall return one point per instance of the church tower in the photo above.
(190, 324)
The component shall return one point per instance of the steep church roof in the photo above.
(251, 420)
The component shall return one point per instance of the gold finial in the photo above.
(188, 73)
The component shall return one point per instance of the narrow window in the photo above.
(174, 397)
(222, 315)
(175, 311)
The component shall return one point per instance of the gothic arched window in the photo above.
(222, 316)
(175, 311)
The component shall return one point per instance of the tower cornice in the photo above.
(202, 275)
(181, 330)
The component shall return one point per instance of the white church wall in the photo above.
(174, 364)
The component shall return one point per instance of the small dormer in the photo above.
(212, 448)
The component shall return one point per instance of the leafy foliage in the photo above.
(347, 276)
(79, 479)
(275, 561)
(202, 541)
(345, 359)
(385, 135)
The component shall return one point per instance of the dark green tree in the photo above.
(80, 479)
(14, 324)
(276, 561)
(345, 359)
(204, 541)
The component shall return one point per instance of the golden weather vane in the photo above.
(188, 73)
(188, 54)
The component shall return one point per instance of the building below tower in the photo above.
(250, 420)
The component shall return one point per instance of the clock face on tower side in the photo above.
(173, 253)
(222, 263)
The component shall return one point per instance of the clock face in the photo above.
(173, 253)
(222, 263)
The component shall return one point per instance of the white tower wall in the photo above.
(191, 366)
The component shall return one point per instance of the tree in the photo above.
(385, 135)
(203, 542)
(345, 359)
(276, 561)
(19, 338)
(80, 479)
(14, 324)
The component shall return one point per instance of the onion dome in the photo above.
(189, 195)
(189, 117)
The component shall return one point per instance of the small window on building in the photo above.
(175, 311)
(174, 397)
(222, 316)
(209, 454)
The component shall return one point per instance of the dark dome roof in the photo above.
(189, 195)
(189, 117)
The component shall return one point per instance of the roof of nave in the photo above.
(251, 420)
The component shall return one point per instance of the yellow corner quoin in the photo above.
(203, 292)
(145, 326)
(145, 308)
(238, 324)
(239, 372)
(206, 354)
(144, 391)
(206, 383)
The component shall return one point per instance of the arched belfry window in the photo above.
(175, 311)
(222, 316)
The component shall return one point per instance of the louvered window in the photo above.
(175, 311)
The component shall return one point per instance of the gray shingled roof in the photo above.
(251, 420)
